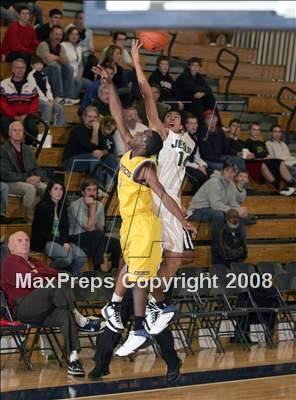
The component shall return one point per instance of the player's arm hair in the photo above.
(148, 176)
(117, 115)
(150, 106)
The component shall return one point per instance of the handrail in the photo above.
(44, 136)
(173, 39)
(286, 106)
(231, 71)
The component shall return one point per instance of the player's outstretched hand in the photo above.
(98, 70)
(187, 225)
(136, 45)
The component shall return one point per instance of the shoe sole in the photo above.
(72, 373)
(131, 351)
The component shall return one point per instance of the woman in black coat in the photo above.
(50, 230)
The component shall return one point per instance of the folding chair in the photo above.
(274, 268)
(9, 327)
(291, 268)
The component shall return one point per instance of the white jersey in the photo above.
(171, 167)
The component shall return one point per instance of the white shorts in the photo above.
(173, 237)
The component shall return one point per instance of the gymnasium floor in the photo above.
(206, 375)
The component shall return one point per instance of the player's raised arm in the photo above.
(150, 106)
(115, 106)
(148, 175)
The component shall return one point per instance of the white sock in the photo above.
(116, 298)
(74, 356)
(79, 318)
(151, 298)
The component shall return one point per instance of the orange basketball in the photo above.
(154, 41)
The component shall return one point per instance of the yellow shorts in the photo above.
(140, 243)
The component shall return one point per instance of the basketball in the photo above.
(154, 41)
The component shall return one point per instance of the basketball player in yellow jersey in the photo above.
(140, 233)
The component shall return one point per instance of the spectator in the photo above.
(119, 40)
(50, 230)
(196, 168)
(55, 19)
(213, 145)
(162, 108)
(213, 37)
(131, 119)
(262, 167)
(7, 12)
(161, 77)
(87, 226)
(20, 40)
(107, 130)
(92, 89)
(74, 54)
(113, 56)
(58, 68)
(4, 201)
(101, 103)
(191, 86)
(48, 107)
(19, 100)
(229, 244)
(86, 150)
(19, 169)
(241, 182)
(50, 307)
(277, 148)
(86, 43)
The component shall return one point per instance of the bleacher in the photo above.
(273, 237)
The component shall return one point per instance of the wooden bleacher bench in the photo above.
(71, 114)
(49, 5)
(261, 104)
(51, 157)
(73, 180)
(226, 117)
(283, 120)
(242, 87)
(60, 134)
(101, 41)
(14, 208)
(208, 52)
(5, 70)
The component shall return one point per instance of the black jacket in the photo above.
(42, 225)
(165, 82)
(186, 85)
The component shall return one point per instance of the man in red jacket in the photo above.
(18, 100)
(20, 39)
(49, 306)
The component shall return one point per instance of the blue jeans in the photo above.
(88, 163)
(240, 162)
(51, 112)
(61, 79)
(62, 259)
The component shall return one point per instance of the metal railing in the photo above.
(285, 105)
(44, 136)
(226, 68)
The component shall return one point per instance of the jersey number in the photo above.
(182, 161)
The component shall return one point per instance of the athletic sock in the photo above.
(79, 318)
(116, 298)
(139, 323)
(73, 356)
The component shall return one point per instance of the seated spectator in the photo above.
(213, 145)
(74, 54)
(50, 109)
(107, 130)
(86, 150)
(4, 201)
(55, 19)
(101, 102)
(58, 68)
(19, 101)
(113, 56)
(162, 108)
(87, 226)
(196, 168)
(119, 40)
(20, 170)
(262, 167)
(229, 244)
(35, 10)
(131, 119)
(7, 12)
(49, 307)
(87, 44)
(277, 148)
(20, 40)
(161, 77)
(50, 230)
(92, 89)
(191, 86)
(241, 182)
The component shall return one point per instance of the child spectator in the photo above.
(48, 107)
(20, 40)
(50, 230)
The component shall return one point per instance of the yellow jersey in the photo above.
(134, 198)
